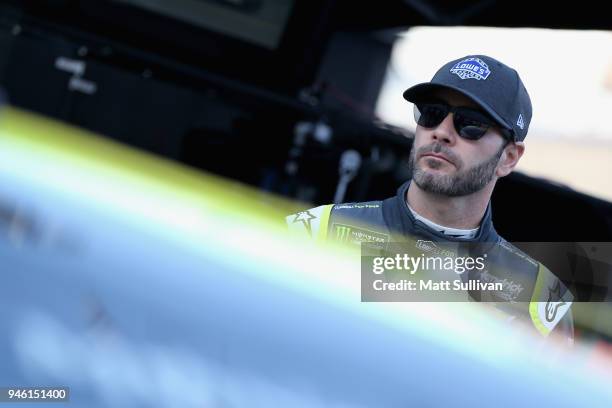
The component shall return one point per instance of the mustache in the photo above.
(438, 148)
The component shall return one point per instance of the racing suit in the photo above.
(530, 293)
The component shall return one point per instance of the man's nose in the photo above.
(445, 131)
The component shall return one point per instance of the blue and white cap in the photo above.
(494, 86)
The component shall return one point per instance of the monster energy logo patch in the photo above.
(343, 232)
(352, 234)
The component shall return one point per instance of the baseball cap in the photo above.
(492, 85)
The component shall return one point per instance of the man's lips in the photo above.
(437, 156)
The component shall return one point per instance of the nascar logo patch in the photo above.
(471, 68)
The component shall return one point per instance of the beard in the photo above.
(462, 183)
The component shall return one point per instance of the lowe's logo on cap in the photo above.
(474, 68)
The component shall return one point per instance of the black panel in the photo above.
(530, 209)
(28, 72)
(286, 68)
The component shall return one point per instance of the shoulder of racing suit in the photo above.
(352, 222)
(530, 290)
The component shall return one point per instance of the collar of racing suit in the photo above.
(400, 220)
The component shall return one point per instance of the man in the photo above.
(472, 118)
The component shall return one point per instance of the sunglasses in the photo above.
(469, 123)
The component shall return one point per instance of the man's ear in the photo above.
(509, 158)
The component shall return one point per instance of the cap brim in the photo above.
(419, 91)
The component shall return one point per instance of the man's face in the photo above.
(442, 162)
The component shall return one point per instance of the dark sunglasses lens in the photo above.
(473, 132)
(470, 128)
(430, 115)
